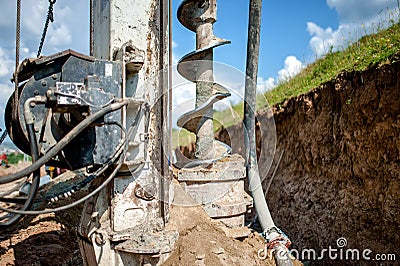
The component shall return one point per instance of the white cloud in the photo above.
(359, 11)
(356, 19)
(292, 67)
(322, 39)
(69, 30)
(6, 64)
(265, 85)
(5, 93)
(270, 84)
(33, 15)
(60, 36)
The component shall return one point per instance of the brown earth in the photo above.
(340, 171)
(45, 240)
(202, 241)
(48, 239)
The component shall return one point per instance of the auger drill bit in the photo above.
(199, 16)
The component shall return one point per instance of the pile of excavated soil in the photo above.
(339, 176)
(203, 241)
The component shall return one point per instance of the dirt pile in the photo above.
(43, 240)
(203, 241)
(339, 176)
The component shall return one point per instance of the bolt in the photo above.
(33, 104)
(54, 76)
(147, 192)
(44, 83)
(49, 93)
(36, 92)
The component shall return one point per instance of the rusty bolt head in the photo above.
(147, 192)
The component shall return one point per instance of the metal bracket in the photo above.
(144, 137)
(274, 236)
(132, 56)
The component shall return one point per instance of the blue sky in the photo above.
(294, 33)
(283, 31)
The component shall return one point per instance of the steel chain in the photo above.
(17, 48)
(91, 28)
(50, 17)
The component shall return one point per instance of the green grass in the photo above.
(370, 50)
(182, 137)
(14, 158)
(382, 47)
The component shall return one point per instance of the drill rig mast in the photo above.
(125, 224)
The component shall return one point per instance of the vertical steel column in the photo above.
(120, 221)
(276, 238)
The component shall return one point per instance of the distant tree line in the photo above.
(14, 158)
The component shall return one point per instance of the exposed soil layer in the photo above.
(340, 171)
(44, 240)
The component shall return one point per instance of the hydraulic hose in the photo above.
(274, 236)
(64, 141)
(63, 208)
(35, 180)
(120, 153)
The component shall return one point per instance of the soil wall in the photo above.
(340, 171)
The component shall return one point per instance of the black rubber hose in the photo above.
(117, 155)
(35, 180)
(120, 154)
(63, 142)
